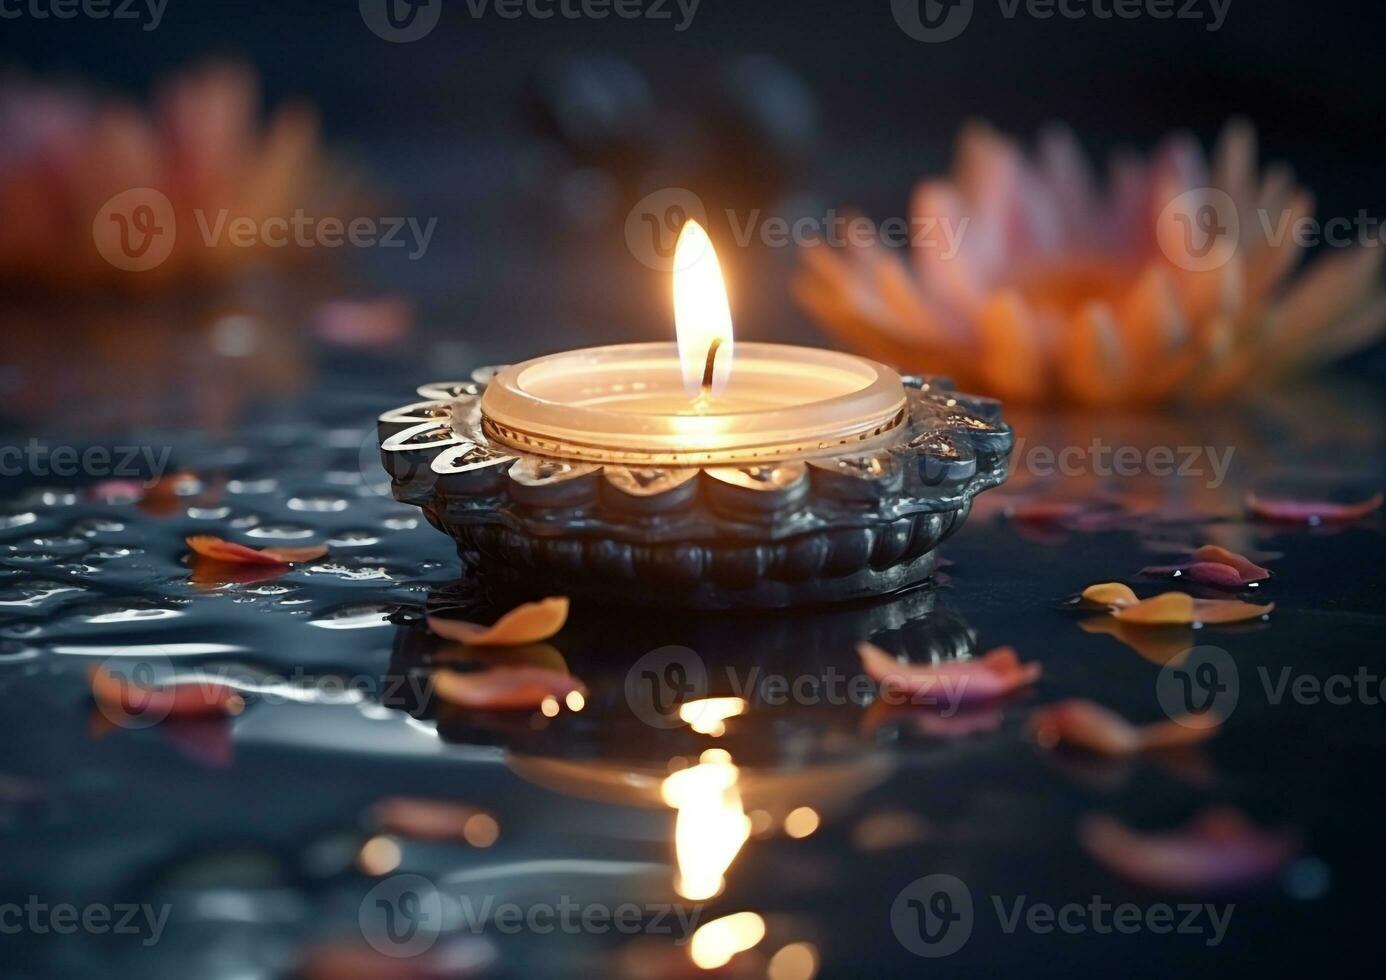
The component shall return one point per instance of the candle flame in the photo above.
(711, 825)
(702, 317)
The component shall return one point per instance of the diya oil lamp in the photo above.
(701, 474)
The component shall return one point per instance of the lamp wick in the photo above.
(710, 365)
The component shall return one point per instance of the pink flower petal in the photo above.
(1310, 511)
(947, 684)
(505, 688)
(1220, 850)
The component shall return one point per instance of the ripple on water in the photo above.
(35, 592)
(355, 616)
(121, 611)
(16, 651)
(90, 527)
(287, 532)
(401, 523)
(209, 513)
(252, 486)
(348, 573)
(322, 503)
(353, 539)
(20, 519)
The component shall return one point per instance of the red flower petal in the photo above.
(218, 549)
(1203, 572)
(505, 688)
(947, 684)
(1085, 725)
(1310, 511)
(1248, 569)
(1219, 850)
(118, 696)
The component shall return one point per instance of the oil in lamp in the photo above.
(703, 473)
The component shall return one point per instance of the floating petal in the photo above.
(1085, 725)
(1110, 594)
(1219, 851)
(532, 622)
(218, 549)
(947, 684)
(123, 697)
(1310, 511)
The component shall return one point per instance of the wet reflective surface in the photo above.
(730, 794)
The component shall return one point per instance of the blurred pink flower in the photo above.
(66, 152)
(1027, 280)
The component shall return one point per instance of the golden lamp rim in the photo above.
(874, 409)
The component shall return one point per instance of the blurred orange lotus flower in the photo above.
(201, 153)
(1027, 280)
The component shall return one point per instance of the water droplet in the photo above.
(288, 532)
(319, 504)
(355, 617)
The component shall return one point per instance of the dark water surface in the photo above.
(259, 834)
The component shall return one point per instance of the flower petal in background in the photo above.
(1061, 292)
(532, 622)
(954, 682)
(123, 697)
(1310, 511)
(1220, 850)
(1088, 726)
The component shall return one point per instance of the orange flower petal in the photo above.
(1310, 511)
(947, 684)
(1085, 725)
(1169, 609)
(532, 622)
(1219, 850)
(218, 549)
(1249, 570)
(116, 694)
(1110, 594)
(1228, 611)
(1158, 644)
(505, 688)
